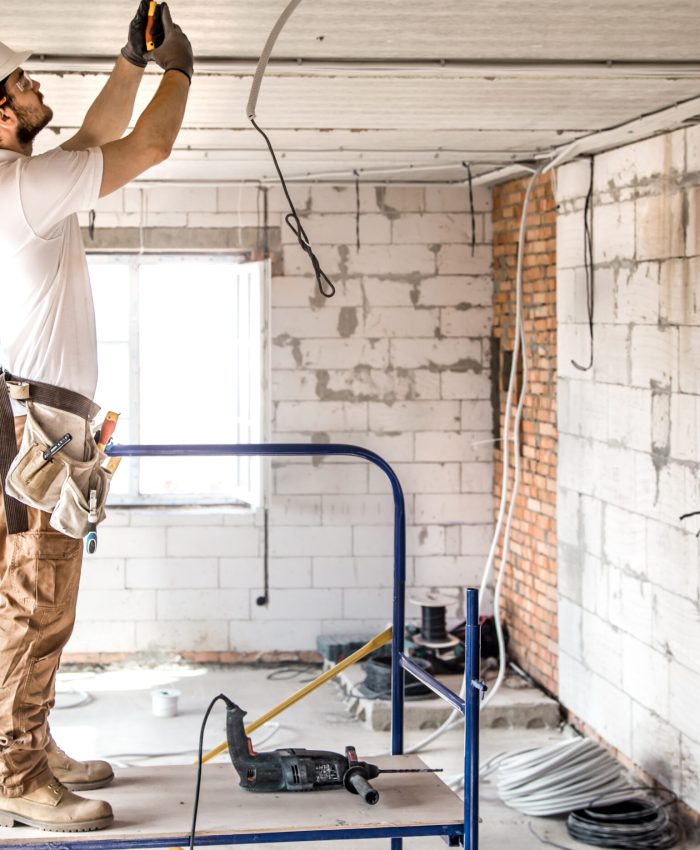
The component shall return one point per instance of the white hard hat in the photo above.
(10, 60)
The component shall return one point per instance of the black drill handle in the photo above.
(361, 786)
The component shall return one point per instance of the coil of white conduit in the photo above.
(559, 778)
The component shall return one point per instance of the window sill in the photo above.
(203, 508)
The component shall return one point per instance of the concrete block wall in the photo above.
(398, 361)
(529, 595)
(629, 575)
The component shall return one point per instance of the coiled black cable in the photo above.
(635, 823)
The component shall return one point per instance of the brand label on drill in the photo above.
(326, 773)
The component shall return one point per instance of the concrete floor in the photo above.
(116, 721)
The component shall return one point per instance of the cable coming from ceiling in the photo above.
(325, 285)
(588, 264)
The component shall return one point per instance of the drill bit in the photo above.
(410, 770)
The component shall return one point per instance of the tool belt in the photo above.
(60, 483)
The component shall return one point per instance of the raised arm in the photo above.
(109, 115)
(152, 139)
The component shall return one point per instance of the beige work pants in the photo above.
(39, 576)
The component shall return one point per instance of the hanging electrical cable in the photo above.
(519, 350)
(471, 204)
(588, 264)
(325, 285)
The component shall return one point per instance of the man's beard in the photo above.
(30, 122)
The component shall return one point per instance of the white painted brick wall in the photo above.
(628, 458)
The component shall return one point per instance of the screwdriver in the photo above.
(150, 42)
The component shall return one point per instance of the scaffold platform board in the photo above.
(153, 808)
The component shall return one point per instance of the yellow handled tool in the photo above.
(376, 642)
(150, 43)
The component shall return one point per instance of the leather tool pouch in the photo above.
(60, 485)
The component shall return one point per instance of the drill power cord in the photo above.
(200, 762)
(325, 285)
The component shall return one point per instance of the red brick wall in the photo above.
(529, 596)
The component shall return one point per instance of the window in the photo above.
(181, 358)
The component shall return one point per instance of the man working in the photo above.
(48, 351)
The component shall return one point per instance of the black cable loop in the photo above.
(299, 231)
(297, 228)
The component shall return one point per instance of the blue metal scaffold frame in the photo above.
(465, 834)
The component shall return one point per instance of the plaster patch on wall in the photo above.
(285, 340)
(347, 321)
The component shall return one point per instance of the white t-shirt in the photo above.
(47, 318)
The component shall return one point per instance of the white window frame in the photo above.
(258, 468)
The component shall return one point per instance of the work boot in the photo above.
(77, 775)
(55, 809)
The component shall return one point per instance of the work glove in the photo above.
(175, 53)
(136, 43)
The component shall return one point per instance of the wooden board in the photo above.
(156, 802)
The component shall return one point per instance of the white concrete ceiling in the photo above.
(395, 89)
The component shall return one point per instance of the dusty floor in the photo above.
(109, 714)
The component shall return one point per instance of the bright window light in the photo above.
(180, 351)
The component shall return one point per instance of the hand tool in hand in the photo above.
(136, 39)
(175, 52)
(295, 769)
(150, 36)
(57, 446)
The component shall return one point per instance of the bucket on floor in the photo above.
(164, 702)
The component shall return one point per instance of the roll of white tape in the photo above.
(164, 702)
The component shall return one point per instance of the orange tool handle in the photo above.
(152, 6)
(107, 429)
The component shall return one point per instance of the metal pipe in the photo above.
(155, 184)
(474, 689)
(431, 682)
(96, 64)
